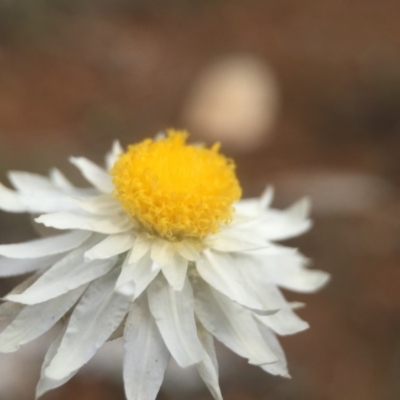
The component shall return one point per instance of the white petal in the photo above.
(26, 283)
(34, 320)
(267, 197)
(187, 250)
(284, 322)
(145, 354)
(45, 247)
(236, 239)
(102, 224)
(10, 200)
(97, 176)
(255, 206)
(175, 271)
(142, 245)
(100, 205)
(15, 266)
(113, 155)
(27, 182)
(280, 367)
(208, 367)
(244, 278)
(279, 225)
(255, 277)
(162, 251)
(273, 249)
(119, 332)
(111, 246)
(247, 207)
(174, 315)
(9, 310)
(299, 210)
(69, 273)
(289, 272)
(96, 316)
(227, 272)
(48, 201)
(173, 265)
(45, 384)
(59, 180)
(135, 277)
(255, 274)
(231, 324)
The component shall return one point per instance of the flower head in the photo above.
(160, 250)
(175, 190)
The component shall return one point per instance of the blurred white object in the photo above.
(235, 101)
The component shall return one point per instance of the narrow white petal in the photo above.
(256, 279)
(67, 274)
(26, 283)
(290, 272)
(227, 273)
(119, 332)
(145, 355)
(100, 205)
(273, 249)
(135, 277)
(247, 208)
(17, 266)
(59, 180)
(48, 201)
(175, 271)
(187, 250)
(255, 275)
(280, 367)
(34, 320)
(174, 315)
(255, 206)
(162, 251)
(96, 316)
(10, 200)
(236, 238)
(111, 246)
(297, 305)
(231, 324)
(208, 367)
(45, 247)
(113, 155)
(284, 322)
(173, 265)
(279, 225)
(244, 278)
(9, 310)
(27, 182)
(299, 210)
(267, 197)
(95, 175)
(102, 224)
(45, 384)
(141, 246)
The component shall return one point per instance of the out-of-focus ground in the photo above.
(316, 83)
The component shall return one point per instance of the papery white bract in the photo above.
(116, 272)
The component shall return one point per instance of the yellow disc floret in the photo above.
(176, 190)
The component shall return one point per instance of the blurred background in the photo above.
(303, 95)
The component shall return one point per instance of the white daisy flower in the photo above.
(160, 250)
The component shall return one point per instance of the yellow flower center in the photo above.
(176, 190)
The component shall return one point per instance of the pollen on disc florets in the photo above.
(176, 190)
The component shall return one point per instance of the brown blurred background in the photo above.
(304, 95)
